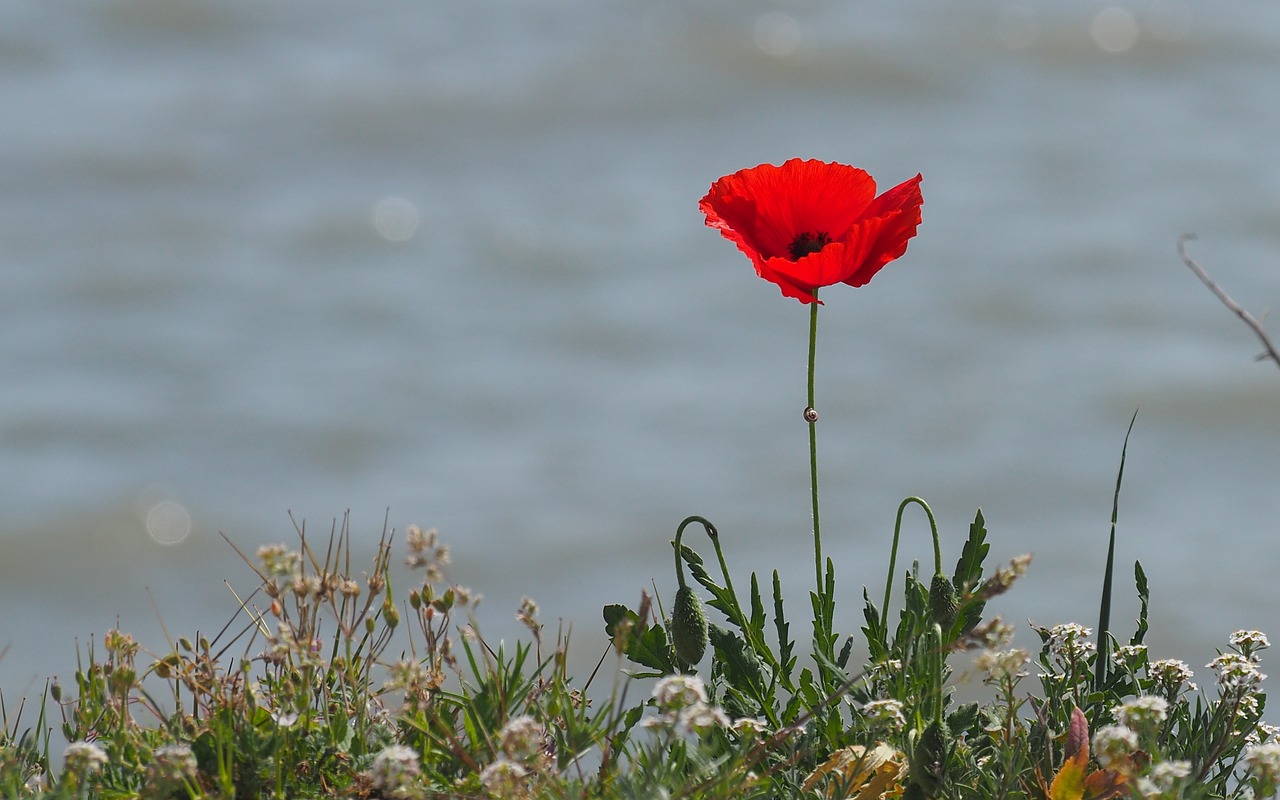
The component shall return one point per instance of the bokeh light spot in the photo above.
(777, 34)
(168, 522)
(395, 219)
(1114, 29)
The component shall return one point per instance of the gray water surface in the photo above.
(441, 263)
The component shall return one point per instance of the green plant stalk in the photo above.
(813, 445)
(1104, 613)
(893, 551)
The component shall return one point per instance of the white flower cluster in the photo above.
(885, 714)
(395, 772)
(84, 758)
(1143, 713)
(1003, 665)
(1263, 762)
(1170, 675)
(1114, 744)
(683, 707)
(1237, 672)
(171, 767)
(1163, 779)
(1070, 641)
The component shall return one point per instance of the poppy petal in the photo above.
(828, 266)
(891, 221)
(809, 224)
(768, 206)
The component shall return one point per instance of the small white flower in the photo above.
(676, 692)
(701, 718)
(1003, 665)
(1263, 762)
(1170, 675)
(279, 561)
(522, 738)
(1166, 775)
(1249, 642)
(284, 719)
(1247, 706)
(505, 778)
(1236, 672)
(1070, 641)
(660, 722)
(84, 758)
(747, 726)
(886, 714)
(395, 772)
(1113, 744)
(171, 766)
(1262, 734)
(1128, 654)
(1141, 713)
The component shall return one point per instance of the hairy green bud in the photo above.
(943, 601)
(929, 758)
(688, 626)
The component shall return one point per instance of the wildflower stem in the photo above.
(893, 551)
(811, 417)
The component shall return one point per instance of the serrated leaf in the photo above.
(615, 613)
(785, 644)
(974, 552)
(876, 634)
(721, 598)
(757, 608)
(1144, 598)
(644, 645)
(843, 659)
(742, 668)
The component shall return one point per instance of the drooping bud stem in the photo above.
(893, 552)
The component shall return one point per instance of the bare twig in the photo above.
(1227, 301)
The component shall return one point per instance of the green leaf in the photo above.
(969, 575)
(969, 565)
(721, 598)
(876, 634)
(1144, 597)
(843, 659)
(757, 609)
(786, 645)
(643, 645)
(742, 668)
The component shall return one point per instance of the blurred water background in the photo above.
(441, 263)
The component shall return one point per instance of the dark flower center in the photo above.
(807, 243)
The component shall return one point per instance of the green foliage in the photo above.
(461, 718)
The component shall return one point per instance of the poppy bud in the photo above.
(688, 626)
(943, 601)
(929, 758)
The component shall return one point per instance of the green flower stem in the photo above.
(677, 545)
(893, 552)
(813, 444)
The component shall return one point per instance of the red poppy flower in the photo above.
(808, 224)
